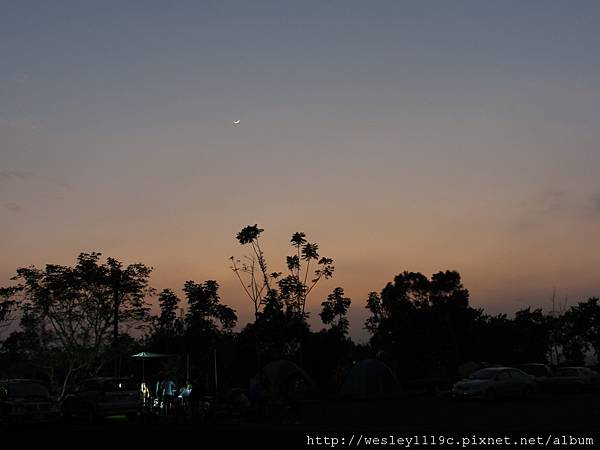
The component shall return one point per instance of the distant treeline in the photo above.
(70, 323)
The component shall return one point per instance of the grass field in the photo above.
(573, 412)
(411, 414)
(543, 413)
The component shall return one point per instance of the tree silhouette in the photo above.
(531, 336)
(69, 312)
(168, 302)
(254, 268)
(422, 323)
(294, 288)
(335, 309)
(7, 305)
(579, 331)
(590, 312)
(206, 314)
(422, 326)
(168, 327)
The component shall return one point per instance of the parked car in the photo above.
(24, 401)
(574, 379)
(103, 397)
(494, 382)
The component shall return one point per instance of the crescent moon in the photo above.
(235, 122)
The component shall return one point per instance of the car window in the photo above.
(518, 375)
(27, 389)
(504, 375)
(569, 372)
(483, 374)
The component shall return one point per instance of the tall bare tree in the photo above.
(291, 290)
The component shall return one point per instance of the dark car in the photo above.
(23, 401)
(103, 397)
(574, 379)
(495, 382)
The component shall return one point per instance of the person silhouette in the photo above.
(168, 386)
(158, 402)
(145, 394)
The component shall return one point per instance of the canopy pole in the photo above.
(187, 370)
(216, 378)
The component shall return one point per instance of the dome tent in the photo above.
(370, 379)
(286, 380)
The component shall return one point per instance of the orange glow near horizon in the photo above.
(423, 139)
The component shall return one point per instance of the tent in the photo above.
(370, 379)
(148, 355)
(285, 380)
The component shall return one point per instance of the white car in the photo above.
(495, 382)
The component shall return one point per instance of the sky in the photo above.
(398, 135)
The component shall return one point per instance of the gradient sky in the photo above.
(424, 135)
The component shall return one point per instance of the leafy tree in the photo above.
(168, 327)
(296, 286)
(555, 325)
(7, 305)
(206, 313)
(393, 309)
(397, 329)
(168, 323)
(574, 346)
(422, 323)
(579, 331)
(279, 300)
(128, 289)
(449, 303)
(329, 352)
(69, 312)
(496, 335)
(531, 336)
(193, 337)
(447, 291)
(588, 314)
(335, 309)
